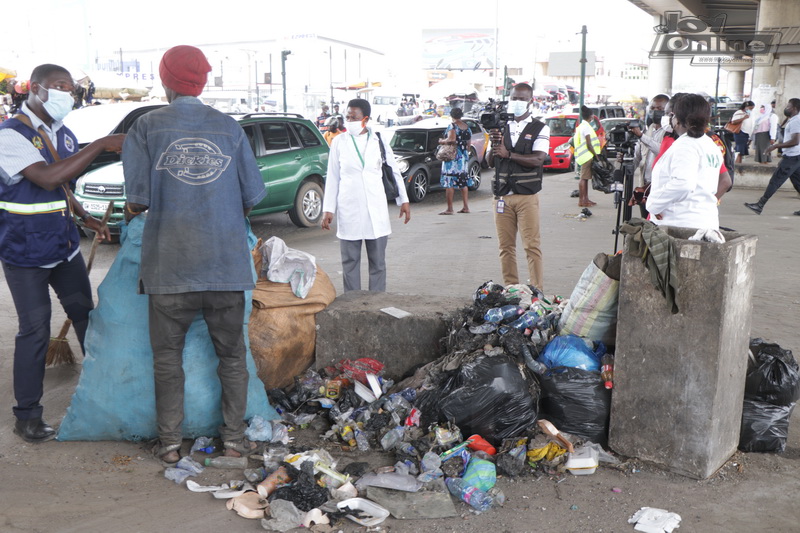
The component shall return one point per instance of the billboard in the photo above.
(569, 64)
(460, 49)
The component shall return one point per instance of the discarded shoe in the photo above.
(586, 211)
(796, 213)
(575, 194)
(34, 430)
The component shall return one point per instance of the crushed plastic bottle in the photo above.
(431, 467)
(255, 475)
(392, 438)
(476, 498)
(361, 440)
(203, 444)
(607, 370)
(226, 462)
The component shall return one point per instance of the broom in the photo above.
(59, 350)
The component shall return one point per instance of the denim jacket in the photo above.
(194, 169)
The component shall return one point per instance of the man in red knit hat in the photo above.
(192, 169)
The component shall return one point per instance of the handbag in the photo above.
(733, 128)
(387, 173)
(446, 152)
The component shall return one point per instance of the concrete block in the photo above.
(679, 379)
(756, 176)
(354, 326)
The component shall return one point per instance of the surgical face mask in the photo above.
(748, 111)
(354, 127)
(665, 121)
(58, 104)
(517, 107)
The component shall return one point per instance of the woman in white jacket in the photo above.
(686, 178)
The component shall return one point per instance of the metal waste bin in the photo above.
(679, 378)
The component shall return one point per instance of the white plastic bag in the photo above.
(287, 265)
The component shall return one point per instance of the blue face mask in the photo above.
(517, 107)
(58, 104)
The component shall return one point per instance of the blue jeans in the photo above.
(788, 168)
(30, 290)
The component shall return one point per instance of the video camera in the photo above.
(622, 139)
(494, 116)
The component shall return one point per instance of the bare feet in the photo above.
(464, 210)
(446, 213)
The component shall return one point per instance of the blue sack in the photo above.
(115, 397)
(572, 351)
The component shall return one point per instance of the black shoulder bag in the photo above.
(389, 183)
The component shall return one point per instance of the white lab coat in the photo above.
(356, 193)
(684, 185)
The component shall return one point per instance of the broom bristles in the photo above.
(59, 351)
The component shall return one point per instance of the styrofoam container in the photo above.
(377, 512)
(582, 462)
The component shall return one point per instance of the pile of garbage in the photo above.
(509, 397)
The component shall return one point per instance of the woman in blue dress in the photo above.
(455, 173)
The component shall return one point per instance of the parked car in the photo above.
(562, 129)
(414, 148)
(291, 153)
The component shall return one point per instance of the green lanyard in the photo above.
(361, 157)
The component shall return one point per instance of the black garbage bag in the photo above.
(765, 427)
(492, 397)
(774, 376)
(603, 175)
(303, 492)
(576, 402)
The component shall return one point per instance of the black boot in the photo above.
(34, 430)
(758, 206)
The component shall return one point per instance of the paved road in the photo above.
(86, 487)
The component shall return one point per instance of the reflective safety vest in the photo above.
(582, 153)
(36, 226)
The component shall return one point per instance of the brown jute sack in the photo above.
(283, 327)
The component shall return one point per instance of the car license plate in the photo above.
(96, 207)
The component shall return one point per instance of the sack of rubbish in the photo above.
(773, 375)
(592, 308)
(577, 402)
(765, 427)
(115, 396)
(572, 351)
(491, 397)
(771, 389)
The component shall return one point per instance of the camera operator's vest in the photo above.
(512, 176)
(36, 226)
(582, 153)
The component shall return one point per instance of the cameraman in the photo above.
(518, 152)
(649, 145)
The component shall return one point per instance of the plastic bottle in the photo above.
(361, 440)
(255, 475)
(527, 320)
(607, 370)
(479, 500)
(335, 386)
(348, 437)
(226, 462)
(392, 438)
(498, 314)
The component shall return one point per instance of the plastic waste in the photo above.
(364, 512)
(483, 329)
(183, 469)
(478, 443)
(531, 319)
(273, 481)
(576, 402)
(259, 430)
(285, 516)
(237, 488)
(773, 375)
(413, 417)
(392, 438)
(607, 370)
(452, 452)
(361, 440)
(346, 491)
(255, 475)
(390, 480)
(280, 433)
(572, 351)
(499, 314)
(652, 520)
(431, 467)
(203, 444)
(476, 498)
(498, 496)
(348, 437)
(481, 474)
(583, 461)
(226, 462)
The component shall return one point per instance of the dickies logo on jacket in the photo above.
(194, 161)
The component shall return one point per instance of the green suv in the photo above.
(291, 154)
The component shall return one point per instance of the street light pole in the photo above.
(284, 53)
(330, 71)
(583, 63)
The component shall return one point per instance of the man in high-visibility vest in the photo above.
(587, 146)
(39, 241)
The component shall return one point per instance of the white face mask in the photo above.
(354, 127)
(517, 107)
(665, 121)
(58, 104)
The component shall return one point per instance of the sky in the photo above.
(73, 32)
